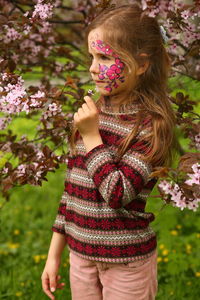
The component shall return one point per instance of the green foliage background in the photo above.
(27, 218)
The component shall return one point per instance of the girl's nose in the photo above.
(94, 68)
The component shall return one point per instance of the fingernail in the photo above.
(52, 289)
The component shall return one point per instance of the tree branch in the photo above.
(66, 22)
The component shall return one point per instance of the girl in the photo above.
(116, 144)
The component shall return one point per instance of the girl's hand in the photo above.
(50, 278)
(86, 119)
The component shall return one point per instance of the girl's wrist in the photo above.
(91, 141)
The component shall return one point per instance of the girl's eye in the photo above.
(104, 57)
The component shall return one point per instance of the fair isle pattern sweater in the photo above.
(102, 210)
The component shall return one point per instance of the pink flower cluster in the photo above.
(4, 122)
(177, 197)
(43, 10)
(195, 176)
(14, 98)
(52, 110)
(197, 141)
(10, 34)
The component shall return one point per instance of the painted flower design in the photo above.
(108, 88)
(119, 63)
(113, 72)
(104, 48)
(102, 69)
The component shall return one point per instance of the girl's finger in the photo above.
(45, 287)
(61, 285)
(90, 103)
(85, 108)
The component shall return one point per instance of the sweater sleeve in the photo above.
(59, 223)
(118, 182)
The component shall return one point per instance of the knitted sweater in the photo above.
(102, 210)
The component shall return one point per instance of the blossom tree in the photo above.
(41, 39)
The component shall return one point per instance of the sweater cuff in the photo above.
(88, 154)
(53, 228)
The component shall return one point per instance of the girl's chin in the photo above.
(104, 91)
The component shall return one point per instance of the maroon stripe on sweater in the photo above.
(62, 209)
(83, 193)
(110, 139)
(107, 224)
(112, 251)
(137, 204)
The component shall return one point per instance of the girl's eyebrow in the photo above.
(102, 53)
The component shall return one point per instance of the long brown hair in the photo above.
(130, 32)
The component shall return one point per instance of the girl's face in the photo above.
(107, 69)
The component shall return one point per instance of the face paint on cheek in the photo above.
(113, 73)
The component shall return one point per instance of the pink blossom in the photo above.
(4, 122)
(39, 94)
(194, 177)
(53, 109)
(27, 29)
(46, 27)
(197, 141)
(40, 154)
(185, 14)
(42, 10)
(11, 34)
(21, 170)
(5, 170)
(177, 197)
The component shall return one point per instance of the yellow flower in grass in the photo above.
(189, 283)
(18, 294)
(198, 235)
(162, 246)
(22, 284)
(165, 259)
(188, 248)
(16, 232)
(13, 245)
(36, 258)
(171, 293)
(165, 252)
(174, 232)
(179, 226)
(159, 259)
(43, 256)
(197, 274)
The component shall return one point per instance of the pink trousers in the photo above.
(91, 280)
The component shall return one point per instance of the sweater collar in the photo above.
(124, 109)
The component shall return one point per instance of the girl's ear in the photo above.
(143, 64)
